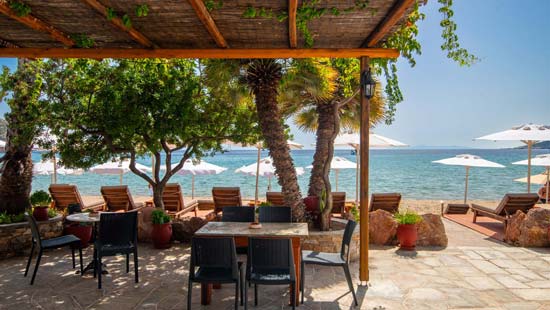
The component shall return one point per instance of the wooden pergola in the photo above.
(188, 29)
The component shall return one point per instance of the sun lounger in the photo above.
(385, 201)
(508, 206)
(173, 201)
(118, 198)
(226, 196)
(455, 208)
(338, 203)
(64, 195)
(275, 198)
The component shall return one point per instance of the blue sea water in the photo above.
(408, 171)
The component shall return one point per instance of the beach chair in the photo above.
(338, 203)
(385, 201)
(226, 197)
(275, 198)
(64, 195)
(508, 206)
(118, 198)
(173, 201)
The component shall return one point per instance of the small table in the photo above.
(272, 230)
(86, 218)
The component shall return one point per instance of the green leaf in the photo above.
(142, 10)
(110, 14)
(127, 21)
(21, 9)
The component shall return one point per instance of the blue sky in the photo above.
(448, 105)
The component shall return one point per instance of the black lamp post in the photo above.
(368, 84)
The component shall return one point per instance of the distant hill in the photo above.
(540, 145)
(3, 128)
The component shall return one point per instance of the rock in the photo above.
(184, 229)
(529, 230)
(145, 226)
(431, 231)
(382, 228)
(513, 229)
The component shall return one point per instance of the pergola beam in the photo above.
(99, 53)
(36, 24)
(383, 28)
(5, 43)
(292, 34)
(208, 22)
(119, 24)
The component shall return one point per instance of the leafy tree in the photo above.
(3, 128)
(105, 109)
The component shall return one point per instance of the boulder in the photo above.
(184, 229)
(513, 229)
(431, 231)
(534, 229)
(382, 228)
(145, 225)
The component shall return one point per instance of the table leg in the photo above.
(297, 253)
(206, 294)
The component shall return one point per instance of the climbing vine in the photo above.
(141, 10)
(82, 40)
(213, 5)
(450, 38)
(21, 9)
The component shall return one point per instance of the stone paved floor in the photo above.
(472, 273)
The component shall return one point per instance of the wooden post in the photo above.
(364, 182)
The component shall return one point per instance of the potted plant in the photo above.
(162, 229)
(406, 229)
(82, 230)
(313, 211)
(40, 200)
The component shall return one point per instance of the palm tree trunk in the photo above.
(263, 76)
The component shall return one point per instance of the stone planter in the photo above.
(15, 239)
(331, 241)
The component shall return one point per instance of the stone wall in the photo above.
(15, 239)
(331, 241)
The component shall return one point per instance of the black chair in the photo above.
(54, 243)
(270, 262)
(275, 215)
(214, 260)
(238, 214)
(117, 234)
(332, 259)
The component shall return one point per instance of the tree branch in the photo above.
(136, 171)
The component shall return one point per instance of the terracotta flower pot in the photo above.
(407, 235)
(161, 235)
(83, 232)
(40, 213)
(312, 208)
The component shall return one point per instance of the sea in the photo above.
(407, 171)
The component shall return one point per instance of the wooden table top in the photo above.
(242, 229)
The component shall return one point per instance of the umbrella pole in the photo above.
(193, 186)
(466, 187)
(357, 176)
(269, 183)
(121, 178)
(529, 147)
(336, 178)
(547, 186)
(257, 175)
(54, 176)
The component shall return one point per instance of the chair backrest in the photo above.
(213, 253)
(346, 239)
(34, 230)
(269, 253)
(118, 228)
(64, 195)
(117, 198)
(226, 196)
(386, 201)
(238, 214)
(275, 198)
(172, 197)
(338, 202)
(511, 203)
(275, 215)
(74, 208)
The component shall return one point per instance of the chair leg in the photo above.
(136, 266)
(243, 286)
(29, 261)
(245, 301)
(36, 266)
(302, 281)
(72, 254)
(81, 262)
(98, 268)
(237, 295)
(127, 263)
(95, 263)
(350, 283)
(255, 294)
(293, 295)
(189, 288)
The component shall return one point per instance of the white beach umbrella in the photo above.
(528, 134)
(354, 140)
(52, 168)
(265, 168)
(117, 168)
(197, 167)
(338, 163)
(468, 161)
(539, 160)
(2, 145)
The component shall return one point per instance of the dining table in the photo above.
(294, 231)
(87, 218)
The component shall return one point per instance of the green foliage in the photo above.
(21, 9)
(158, 216)
(407, 217)
(213, 5)
(83, 41)
(126, 21)
(3, 128)
(355, 212)
(40, 198)
(450, 39)
(52, 213)
(111, 14)
(265, 204)
(6, 218)
(142, 10)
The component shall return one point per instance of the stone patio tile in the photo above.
(426, 294)
(522, 306)
(483, 283)
(472, 254)
(534, 264)
(509, 282)
(506, 263)
(451, 260)
(533, 294)
(539, 284)
(492, 254)
(464, 270)
(385, 289)
(487, 267)
(525, 273)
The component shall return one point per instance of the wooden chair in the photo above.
(275, 198)
(173, 201)
(508, 206)
(385, 201)
(226, 197)
(118, 198)
(338, 203)
(64, 195)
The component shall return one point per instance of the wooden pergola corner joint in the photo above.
(208, 22)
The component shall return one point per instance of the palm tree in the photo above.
(323, 97)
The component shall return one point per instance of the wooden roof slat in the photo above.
(119, 24)
(6, 43)
(292, 34)
(36, 24)
(99, 53)
(392, 18)
(208, 22)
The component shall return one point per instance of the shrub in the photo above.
(407, 217)
(158, 216)
(40, 198)
(13, 218)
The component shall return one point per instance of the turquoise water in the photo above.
(408, 171)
